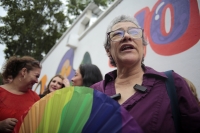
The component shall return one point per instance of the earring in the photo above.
(24, 76)
(20, 79)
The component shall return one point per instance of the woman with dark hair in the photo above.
(16, 96)
(86, 75)
(57, 82)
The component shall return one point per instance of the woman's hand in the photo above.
(8, 124)
(66, 82)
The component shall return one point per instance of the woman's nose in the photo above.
(127, 36)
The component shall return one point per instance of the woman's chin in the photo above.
(51, 90)
(129, 61)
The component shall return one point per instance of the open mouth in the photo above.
(54, 88)
(126, 47)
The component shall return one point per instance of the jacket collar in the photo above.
(147, 71)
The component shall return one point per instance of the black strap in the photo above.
(171, 90)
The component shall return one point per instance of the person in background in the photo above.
(143, 91)
(8, 80)
(56, 83)
(86, 75)
(193, 89)
(16, 96)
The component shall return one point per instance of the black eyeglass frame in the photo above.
(108, 34)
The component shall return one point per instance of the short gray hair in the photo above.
(121, 18)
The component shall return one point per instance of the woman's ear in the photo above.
(23, 72)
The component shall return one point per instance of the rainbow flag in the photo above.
(76, 110)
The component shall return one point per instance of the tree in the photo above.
(75, 7)
(31, 27)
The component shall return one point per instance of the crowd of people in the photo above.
(86, 75)
(124, 46)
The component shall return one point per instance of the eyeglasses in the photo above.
(118, 35)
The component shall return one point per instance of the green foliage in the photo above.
(75, 7)
(31, 27)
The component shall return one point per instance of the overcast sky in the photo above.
(2, 47)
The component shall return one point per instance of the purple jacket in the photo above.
(152, 109)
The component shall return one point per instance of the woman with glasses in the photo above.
(16, 96)
(142, 89)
